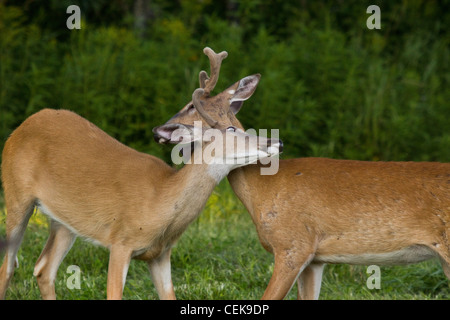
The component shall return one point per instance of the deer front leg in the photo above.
(288, 265)
(309, 282)
(119, 261)
(160, 272)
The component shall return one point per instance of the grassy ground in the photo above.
(219, 257)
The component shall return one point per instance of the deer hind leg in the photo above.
(58, 245)
(442, 247)
(288, 265)
(444, 257)
(19, 212)
(309, 282)
(446, 267)
(161, 275)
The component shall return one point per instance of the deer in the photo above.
(92, 186)
(318, 211)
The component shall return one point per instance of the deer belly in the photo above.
(407, 255)
(45, 210)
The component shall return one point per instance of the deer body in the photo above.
(91, 185)
(350, 208)
(315, 211)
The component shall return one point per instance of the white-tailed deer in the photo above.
(91, 185)
(316, 210)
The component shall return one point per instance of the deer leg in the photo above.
(160, 272)
(119, 261)
(288, 265)
(446, 267)
(16, 224)
(309, 282)
(58, 245)
(444, 257)
(442, 248)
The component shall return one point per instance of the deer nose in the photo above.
(275, 143)
(280, 145)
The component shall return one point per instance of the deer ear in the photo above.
(176, 133)
(245, 89)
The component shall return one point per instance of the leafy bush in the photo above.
(330, 85)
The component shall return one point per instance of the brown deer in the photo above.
(91, 185)
(316, 210)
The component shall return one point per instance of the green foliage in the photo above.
(218, 257)
(332, 87)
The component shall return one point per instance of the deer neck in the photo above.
(241, 181)
(191, 187)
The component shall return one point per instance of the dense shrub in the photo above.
(332, 87)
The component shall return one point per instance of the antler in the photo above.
(207, 84)
(198, 93)
(215, 60)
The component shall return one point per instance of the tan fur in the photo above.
(91, 185)
(316, 210)
(327, 207)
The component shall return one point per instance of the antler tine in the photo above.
(198, 93)
(202, 77)
(215, 60)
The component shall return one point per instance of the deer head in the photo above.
(214, 111)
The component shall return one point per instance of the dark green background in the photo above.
(333, 87)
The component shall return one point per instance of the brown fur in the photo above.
(316, 211)
(91, 185)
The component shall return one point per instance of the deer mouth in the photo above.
(274, 147)
(160, 139)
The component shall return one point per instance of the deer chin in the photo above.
(245, 159)
(254, 157)
(273, 151)
(270, 152)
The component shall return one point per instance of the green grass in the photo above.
(219, 257)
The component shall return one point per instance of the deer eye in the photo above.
(191, 107)
(231, 129)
